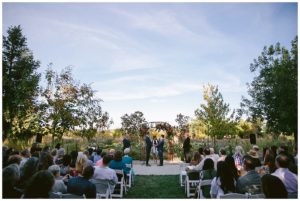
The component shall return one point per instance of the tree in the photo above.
(273, 91)
(20, 86)
(214, 114)
(183, 125)
(69, 106)
(133, 124)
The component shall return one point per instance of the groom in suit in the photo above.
(160, 149)
(148, 147)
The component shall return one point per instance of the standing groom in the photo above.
(148, 147)
(160, 149)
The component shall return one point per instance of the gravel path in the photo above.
(169, 168)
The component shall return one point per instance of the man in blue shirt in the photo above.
(160, 149)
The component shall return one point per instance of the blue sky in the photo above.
(154, 58)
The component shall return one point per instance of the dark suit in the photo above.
(186, 149)
(160, 149)
(126, 143)
(148, 148)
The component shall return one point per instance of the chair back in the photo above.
(233, 196)
(102, 186)
(72, 196)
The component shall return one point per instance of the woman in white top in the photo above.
(154, 148)
(224, 182)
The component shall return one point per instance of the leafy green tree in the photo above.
(183, 125)
(214, 114)
(273, 91)
(133, 124)
(20, 86)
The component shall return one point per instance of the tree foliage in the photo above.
(273, 91)
(69, 106)
(20, 86)
(183, 124)
(134, 124)
(214, 114)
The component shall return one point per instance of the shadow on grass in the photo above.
(156, 187)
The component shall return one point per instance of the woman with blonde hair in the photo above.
(81, 163)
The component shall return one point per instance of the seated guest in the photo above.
(196, 159)
(65, 167)
(29, 169)
(74, 155)
(81, 163)
(238, 157)
(214, 156)
(97, 156)
(59, 185)
(224, 182)
(25, 154)
(88, 156)
(230, 162)
(127, 160)
(45, 161)
(255, 158)
(200, 150)
(60, 156)
(54, 154)
(100, 162)
(200, 165)
(106, 173)
(40, 185)
(14, 159)
(222, 154)
(81, 185)
(272, 187)
(288, 178)
(117, 163)
(208, 172)
(250, 179)
(10, 176)
(269, 161)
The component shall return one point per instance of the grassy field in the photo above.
(156, 187)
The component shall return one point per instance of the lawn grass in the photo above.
(156, 187)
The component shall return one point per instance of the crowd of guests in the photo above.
(42, 172)
(272, 171)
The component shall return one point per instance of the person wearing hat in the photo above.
(148, 147)
(253, 154)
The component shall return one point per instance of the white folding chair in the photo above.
(201, 184)
(120, 187)
(102, 187)
(234, 196)
(257, 196)
(72, 196)
(182, 175)
(191, 183)
(130, 180)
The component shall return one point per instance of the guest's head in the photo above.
(162, 136)
(30, 168)
(230, 162)
(88, 172)
(255, 147)
(273, 187)
(57, 146)
(282, 161)
(66, 160)
(118, 156)
(25, 153)
(106, 160)
(274, 150)
(81, 162)
(112, 152)
(196, 157)
(39, 185)
(10, 175)
(45, 161)
(99, 151)
(126, 151)
(54, 152)
(212, 150)
(239, 150)
(61, 153)
(14, 159)
(226, 177)
(55, 170)
(248, 163)
(103, 154)
(208, 164)
(206, 151)
(222, 152)
(200, 150)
